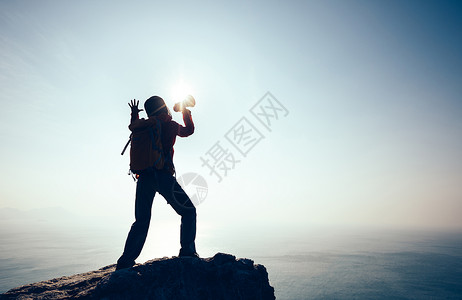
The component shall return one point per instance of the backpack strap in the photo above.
(158, 130)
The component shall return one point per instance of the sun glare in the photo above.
(180, 90)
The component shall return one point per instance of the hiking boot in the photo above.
(121, 265)
(188, 254)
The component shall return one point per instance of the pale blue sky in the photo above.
(373, 89)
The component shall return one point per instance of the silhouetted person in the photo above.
(162, 181)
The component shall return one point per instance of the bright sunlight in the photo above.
(180, 91)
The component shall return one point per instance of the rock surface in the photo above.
(219, 277)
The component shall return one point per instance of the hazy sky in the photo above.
(373, 134)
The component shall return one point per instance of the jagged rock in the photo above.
(219, 277)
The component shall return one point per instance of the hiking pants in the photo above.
(148, 184)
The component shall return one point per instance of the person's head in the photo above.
(155, 105)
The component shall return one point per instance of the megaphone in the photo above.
(189, 101)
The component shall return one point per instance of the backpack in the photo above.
(146, 145)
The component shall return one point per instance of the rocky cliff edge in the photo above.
(219, 277)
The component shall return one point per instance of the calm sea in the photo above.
(317, 264)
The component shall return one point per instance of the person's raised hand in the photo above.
(134, 106)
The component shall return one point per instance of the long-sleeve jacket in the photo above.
(171, 129)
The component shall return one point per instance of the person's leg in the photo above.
(180, 202)
(145, 191)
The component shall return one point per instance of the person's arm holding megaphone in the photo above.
(189, 101)
(188, 129)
